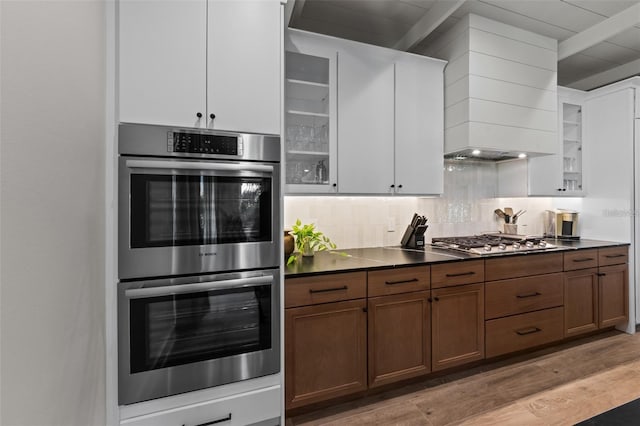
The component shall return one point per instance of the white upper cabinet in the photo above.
(190, 63)
(244, 65)
(385, 132)
(562, 173)
(365, 121)
(419, 117)
(162, 62)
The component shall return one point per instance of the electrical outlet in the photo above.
(391, 224)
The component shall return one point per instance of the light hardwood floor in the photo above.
(555, 386)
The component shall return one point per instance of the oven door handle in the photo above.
(138, 293)
(192, 165)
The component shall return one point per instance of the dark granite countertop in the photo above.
(390, 257)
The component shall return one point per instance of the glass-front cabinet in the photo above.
(310, 105)
(562, 174)
(571, 147)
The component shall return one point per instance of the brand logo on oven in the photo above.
(208, 254)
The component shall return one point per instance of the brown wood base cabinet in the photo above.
(349, 332)
(596, 296)
(399, 337)
(457, 325)
(325, 337)
(326, 352)
(613, 284)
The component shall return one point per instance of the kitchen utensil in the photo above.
(507, 218)
(517, 215)
(508, 211)
(499, 213)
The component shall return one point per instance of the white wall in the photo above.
(466, 208)
(52, 223)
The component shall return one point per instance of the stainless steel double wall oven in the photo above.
(199, 252)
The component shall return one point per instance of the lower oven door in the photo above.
(183, 334)
(188, 216)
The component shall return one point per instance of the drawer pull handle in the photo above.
(325, 290)
(461, 274)
(601, 274)
(412, 280)
(529, 330)
(584, 259)
(522, 296)
(613, 256)
(213, 422)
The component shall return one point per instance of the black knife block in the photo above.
(413, 238)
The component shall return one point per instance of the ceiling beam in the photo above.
(435, 16)
(292, 10)
(599, 32)
(609, 76)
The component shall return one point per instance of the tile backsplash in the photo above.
(466, 207)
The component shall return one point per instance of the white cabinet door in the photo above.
(244, 54)
(365, 121)
(162, 61)
(545, 175)
(419, 121)
(310, 102)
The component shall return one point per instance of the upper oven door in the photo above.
(183, 216)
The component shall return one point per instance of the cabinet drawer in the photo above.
(510, 334)
(613, 256)
(522, 266)
(581, 259)
(264, 403)
(324, 288)
(399, 280)
(448, 274)
(520, 295)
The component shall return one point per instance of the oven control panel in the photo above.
(197, 143)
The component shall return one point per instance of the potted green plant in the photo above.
(308, 241)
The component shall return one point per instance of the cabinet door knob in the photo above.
(212, 116)
(437, 299)
(199, 114)
(393, 186)
(334, 185)
(559, 189)
(399, 186)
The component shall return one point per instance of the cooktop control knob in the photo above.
(487, 247)
(516, 246)
(502, 246)
(529, 244)
(542, 244)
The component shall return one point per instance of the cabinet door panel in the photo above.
(244, 53)
(613, 294)
(162, 61)
(325, 352)
(580, 301)
(457, 325)
(365, 121)
(399, 331)
(419, 133)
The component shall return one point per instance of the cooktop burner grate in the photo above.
(492, 243)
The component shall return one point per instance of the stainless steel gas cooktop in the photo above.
(491, 244)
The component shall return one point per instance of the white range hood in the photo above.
(500, 90)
